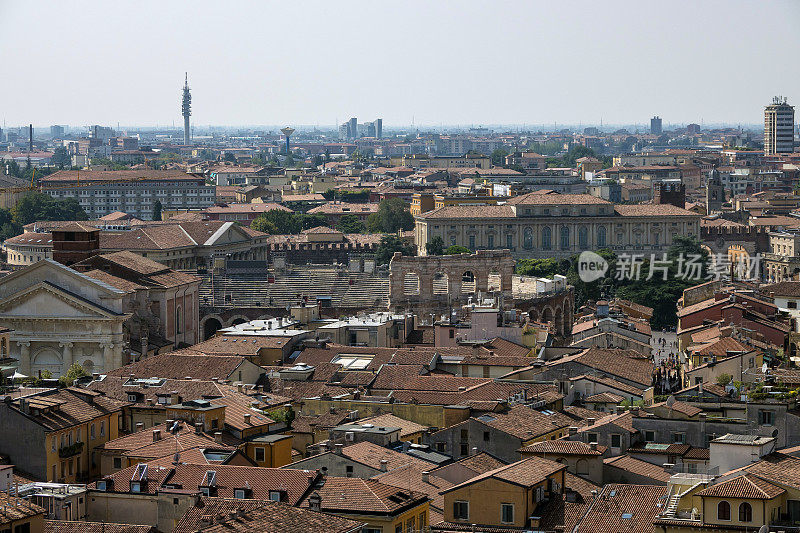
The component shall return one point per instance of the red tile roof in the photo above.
(744, 486)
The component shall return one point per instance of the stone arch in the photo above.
(547, 315)
(547, 238)
(527, 238)
(494, 281)
(238, 320)
(582, 467)
(601, 237)
(411, 284)
(46, 359)
(441, 283)
(468, 283)
(563, 238)
(583, 238)
(558, 321)
(210, 326)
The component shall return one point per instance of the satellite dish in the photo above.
(764, 368)
(775, 432)
(670, 401)
(763, 529)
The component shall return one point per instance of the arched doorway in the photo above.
(411, 284)
(211, 326)
(441, 283)
(559, 322)
(467, 283)
(494, 281)
(237, 321)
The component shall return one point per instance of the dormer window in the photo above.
(276, 495)
(136, 486)
(102, 485)
(242, 494)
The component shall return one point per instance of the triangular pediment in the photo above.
(48, 301)
(227, 234)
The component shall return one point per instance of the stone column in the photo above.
(108, 360)
(66, 356)
(116, 355)
(24, 357)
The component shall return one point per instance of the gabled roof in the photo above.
(744, 486)
(364, 496)
(525, 473)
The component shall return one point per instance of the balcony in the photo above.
(69, 451)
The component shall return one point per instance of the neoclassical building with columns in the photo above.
(59, 316)
(544, 224)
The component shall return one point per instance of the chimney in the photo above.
(593, 445)
(315, 502)
(239, 387)
(573, 430)
(156, 435)
(384, 465)
(474, 450)
(590, 421)
(338, 449)
(218, 437)
(700, 388)
(198, 427)
(668, 467)
(139, 426)
(426, 477)
(151, 402)
(247, 418)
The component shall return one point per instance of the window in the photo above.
(766, 418)
(679, 438)
(275, 495)
(260, 456)
(723, 510)
(239, 494)
(349, 470)
(592, 437)
(547, 243)
(490, 240)
(601, 236)
(509, 241)
(564, 237)
(792, 305)
(527, 239)
(472, 242)
(214, 424)
(745, 512)
(464, 449)
(486, 436)
(101, 485)
(507, 513)
(136, 486)
(616, 441)
(440, 447)
(117, 462)
(464, 434)
(583, 238)
(461, 510)
(649, 436)
(452, 333)
(102, 428)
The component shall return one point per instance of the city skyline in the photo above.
(448, 73)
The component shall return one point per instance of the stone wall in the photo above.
(435, 283)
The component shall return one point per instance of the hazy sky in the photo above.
(451, 62)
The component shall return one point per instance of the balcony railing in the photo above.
(69, 451)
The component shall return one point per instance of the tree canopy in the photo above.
(388, 246)
(351, 224)
(456, 249)
(280, 222)
(35, 206)
(435, 246)
(393, 215)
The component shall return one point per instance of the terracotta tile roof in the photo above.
(247, 345)
(562, 514)
(114, 281)
(721, 347)
(625, 364)
(405, 377)
(638, 467)
(479, 463)
(117, 175)
(253, 516)
(304, 423)
(562, 447)
(407, 427)
(141, 444)
(64, 408)
(344, 208)
(621, 420)
(623, 509)
(358, 496)
(782, 288)
(180, 364)
(465, 211)
(526, 423)
(777, 468)
(557, 199)
(63, 526)
(526, 473)
(610, 382)
(410, 477)
(371, 455)
(12, 509)
(582, 413)
(680, 407)
(744, 486)
(31, 238)
(234, 208)
(604, 397)
(667, 210)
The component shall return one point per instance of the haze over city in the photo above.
(430, 63)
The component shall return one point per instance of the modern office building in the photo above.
(655, 125)
(778, 127)
(131, 191)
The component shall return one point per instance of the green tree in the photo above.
(393, 214)
(388, 246)
(724, 379)
(435, 246)
(538, 268)
(456, 249)
(8, 228)
(277, 222)
(61, 157)
(351, 224)
(229, 157)
(35, 206)
(74, 372)
(157, 210)
(499, 157)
